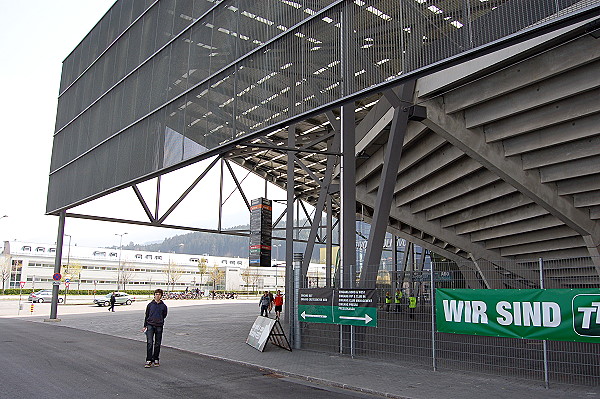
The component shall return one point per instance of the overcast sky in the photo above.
(36, 36)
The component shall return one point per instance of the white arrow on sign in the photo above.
(304, 315)
(367, 318)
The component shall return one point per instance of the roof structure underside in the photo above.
(505, 167)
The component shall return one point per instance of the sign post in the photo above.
(67, 282)
(21, 285)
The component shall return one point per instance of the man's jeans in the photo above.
(153, 340)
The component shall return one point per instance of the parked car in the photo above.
(121, 298)
(42, 296)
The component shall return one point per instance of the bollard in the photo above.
(31, 307)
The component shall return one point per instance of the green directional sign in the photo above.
(356, 307)
(315, 305)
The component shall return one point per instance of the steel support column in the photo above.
(348, 195)
(289, 232)
(385, 192)
(57, 263)
(329, 243)
(320, 204)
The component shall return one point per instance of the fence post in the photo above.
(297, 264)
(432, 299)
(546, 382)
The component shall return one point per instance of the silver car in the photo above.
(42, 296)
(121, 298)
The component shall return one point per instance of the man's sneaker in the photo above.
(156, 364)
(148, 364)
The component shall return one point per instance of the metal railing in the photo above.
(406, 334)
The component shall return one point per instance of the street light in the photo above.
(120, 251)
(277, 246)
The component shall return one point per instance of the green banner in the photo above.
(553, 314)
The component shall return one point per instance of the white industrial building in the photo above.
(102, 268)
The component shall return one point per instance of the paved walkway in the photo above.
(219, 329)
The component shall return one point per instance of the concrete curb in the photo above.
(307, 378)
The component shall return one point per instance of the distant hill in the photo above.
(198, 243)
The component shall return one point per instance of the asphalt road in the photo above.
(46, 360)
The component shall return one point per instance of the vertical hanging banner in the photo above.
(553, 314)
(261, 215)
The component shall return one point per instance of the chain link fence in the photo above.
(406, 333)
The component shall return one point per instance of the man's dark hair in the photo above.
(158, 291)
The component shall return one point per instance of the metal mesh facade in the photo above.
(406, 336)
(156, 83)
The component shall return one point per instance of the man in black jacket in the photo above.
(156, 312)
(113, 300)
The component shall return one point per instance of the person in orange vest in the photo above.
(278, 302)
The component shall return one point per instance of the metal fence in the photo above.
(409, 335)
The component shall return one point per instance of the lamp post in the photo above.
(120, 251)
(277, 246)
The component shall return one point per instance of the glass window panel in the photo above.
(200, 51)
(166, 9)
(184, 10)
(150, 21)
(135, 40)
(160, 78)
(223, 37)
(178, 66)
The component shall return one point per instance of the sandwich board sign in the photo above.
(265, 329)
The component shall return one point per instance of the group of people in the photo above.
(398, 300)
(268, 301)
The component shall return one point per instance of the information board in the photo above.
(265, 329)
(259, 333)
(260, 232)
(356, 307)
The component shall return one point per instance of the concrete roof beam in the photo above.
(513, 215)
(499, 202)
(532, 236)
(523, 74)
(444, 183)
(536, 95)
(553, 155)
(567, 170)
(569, 109)
(543, 246)
(511, 229)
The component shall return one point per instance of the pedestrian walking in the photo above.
(278, 302)
(264, 303)
(154, 320)
(271, 298)
(113, 300)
